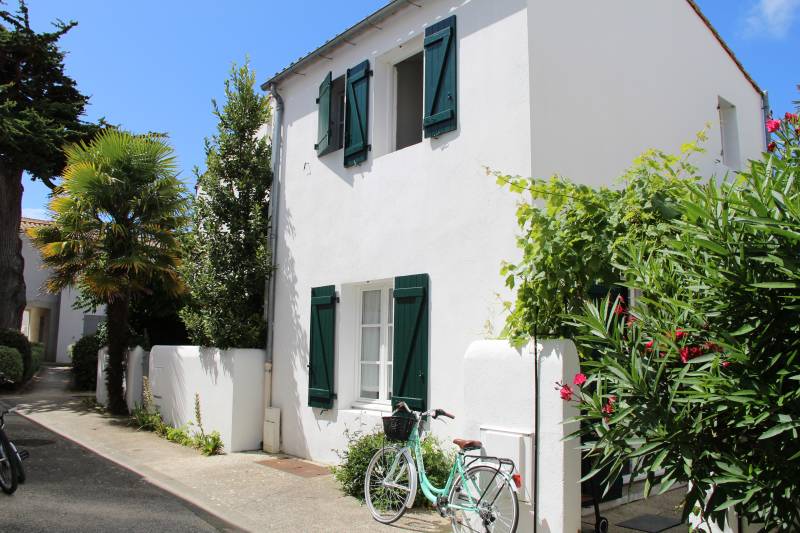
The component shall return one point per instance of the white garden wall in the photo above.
(499, 400)
(230, 384)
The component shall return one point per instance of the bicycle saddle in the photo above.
(466, 444)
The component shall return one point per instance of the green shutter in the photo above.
(356, 134)
(410, 368)
(324, 129)
(440, 78)
(322, 348)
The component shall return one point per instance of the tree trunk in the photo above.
(12, 265)
(117, 350)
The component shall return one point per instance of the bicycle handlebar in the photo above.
(434, 413)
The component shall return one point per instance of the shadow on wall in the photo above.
(295, 361)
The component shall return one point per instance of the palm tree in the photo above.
(117, 219)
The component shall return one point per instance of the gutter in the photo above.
(765, 109)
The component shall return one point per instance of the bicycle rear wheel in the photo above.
(496, 501)
(390, 484)
(8, 470)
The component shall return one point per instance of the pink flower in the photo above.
(679, 334)
(566, 393)
(579, 380)
(726, 364)
(685, 354)
(608, 409)
(619, 309)
(612, 399)
(790, 117)
(773, 125)
(771, 146)
(648, 345)
(631, 320)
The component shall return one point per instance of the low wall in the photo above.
(230, 384)
(499, 400)
(131, 385)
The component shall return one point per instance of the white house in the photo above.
(389, 232)
(50, 318)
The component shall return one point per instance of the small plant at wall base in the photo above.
(227, 262)
(571, 236)
(702, 379)
(355, 458)
(147, 417)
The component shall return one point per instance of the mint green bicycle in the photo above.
(480, 493)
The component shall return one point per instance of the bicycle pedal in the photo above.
(23, 454)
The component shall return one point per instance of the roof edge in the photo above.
(364, 24)
(395, 5)
(724, 45)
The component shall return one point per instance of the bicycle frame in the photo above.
(459, 469)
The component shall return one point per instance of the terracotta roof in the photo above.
(26, 223)
(395, 5)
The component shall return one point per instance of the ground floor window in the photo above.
(375, 343)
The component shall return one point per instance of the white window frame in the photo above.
(382, 402)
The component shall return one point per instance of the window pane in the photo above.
(371, 343)
(371, 307)
(391, 306)
(369, 380)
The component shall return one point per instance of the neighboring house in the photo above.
(391, 233)
(50, 318)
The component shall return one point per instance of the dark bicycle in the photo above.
(12, 473)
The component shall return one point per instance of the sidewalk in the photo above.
(233, 487)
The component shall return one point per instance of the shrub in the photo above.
(37, 356)
(15, 339)
(179, 435)
(572, 235)
(208, 444)
(84, 362)
(355, 459)
(703, 383)
(10, 364)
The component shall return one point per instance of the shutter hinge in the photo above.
(369, 148)
(316, 101)
(370, 72)
(316, 147)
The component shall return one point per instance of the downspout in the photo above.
(274, 199)
(766, 112)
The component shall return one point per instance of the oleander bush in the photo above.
(16, 339)
(10, 365)
(84, 362)
(361, 446)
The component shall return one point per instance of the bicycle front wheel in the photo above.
(483, 500)
(8, 471)
(390, 484)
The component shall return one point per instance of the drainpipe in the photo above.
(274, 200)
(765, 110)
(272, 416)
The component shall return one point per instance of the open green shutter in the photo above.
(324, 129)
(322, 348)
(356, 134)
(440, 78)
(410, 368)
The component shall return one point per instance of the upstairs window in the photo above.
(729, 132)
(408, 111)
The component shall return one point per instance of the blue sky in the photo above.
(155, 65)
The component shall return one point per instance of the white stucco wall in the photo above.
(625, 76)
(539, 91)
(230, 384)
(429, 208)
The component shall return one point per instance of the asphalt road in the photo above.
(71, 489)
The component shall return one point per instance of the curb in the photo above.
(221, 520)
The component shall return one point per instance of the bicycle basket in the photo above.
(397, 427)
